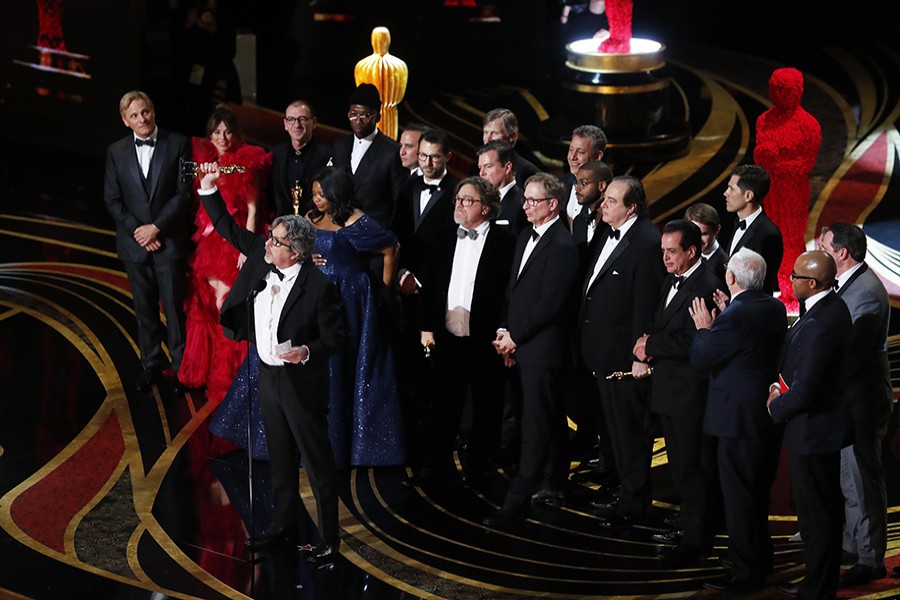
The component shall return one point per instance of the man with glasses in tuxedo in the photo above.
(295, 162)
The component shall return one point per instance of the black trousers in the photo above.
(298, 427)
(153, 282)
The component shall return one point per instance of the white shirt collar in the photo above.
(843, 277)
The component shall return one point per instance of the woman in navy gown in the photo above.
(365, 419)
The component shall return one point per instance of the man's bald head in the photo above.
(814, 272)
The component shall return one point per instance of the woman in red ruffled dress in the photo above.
(210, 359)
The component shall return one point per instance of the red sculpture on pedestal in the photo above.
(618, 13)
(787, 143)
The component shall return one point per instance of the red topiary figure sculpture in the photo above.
(787, 142)
(618, 13)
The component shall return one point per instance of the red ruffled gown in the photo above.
(210, 359)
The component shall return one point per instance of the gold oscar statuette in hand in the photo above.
(428, 348)
(296, 193)
(190, 169)
(619, 375)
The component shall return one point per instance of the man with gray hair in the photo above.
(739, 348)
(588, 144)
(502, 124)
(296, 323)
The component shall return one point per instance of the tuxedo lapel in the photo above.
(436, 197)
(296, 291)
(853, 278)
(792, 331)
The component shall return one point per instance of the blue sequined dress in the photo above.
(365, 420)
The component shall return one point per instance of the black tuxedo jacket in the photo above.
(315, 158)
(816, 405)
(537, 297)
(587, 249)
(378, 177)
(418, 233)
(489, 293)
(311, 314)
(740, 352)
(512, 216)
(523, 168)
(620, 305)
(764, 237)
(167, 205)
(718, 264)
(678, 389)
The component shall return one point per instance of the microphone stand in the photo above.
(250, 323)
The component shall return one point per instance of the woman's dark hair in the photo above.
(337, 187)
(221, 114)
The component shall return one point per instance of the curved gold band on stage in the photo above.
(582, 57)
(616, 89)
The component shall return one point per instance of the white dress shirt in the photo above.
(532, 242)
(739, 233)
(462, 280)
(267, 308)
(360, 147)
(425, 196)
(674, 290)
(145, 152)
(608, 248)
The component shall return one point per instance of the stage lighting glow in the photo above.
(645, 55)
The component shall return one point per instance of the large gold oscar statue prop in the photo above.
(387, 73)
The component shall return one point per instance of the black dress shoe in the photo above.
(861, 575)
(616, 521)
(323, 554)
(732, 584)
(548, 498)
(673, 521)
(668, 537)
(271, 539)
(146, 380)
(788, 589)
(605, 504)
(505, 517)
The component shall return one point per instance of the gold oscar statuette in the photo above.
(190, 169)
(428, 348)
(619, 375)
(296, 193)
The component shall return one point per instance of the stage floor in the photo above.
(108, 493)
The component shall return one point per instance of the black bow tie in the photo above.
(148, 142)
(677, 280)
(431, 187)
(614, 234)
(742, 224)
(534, 234)
(275, 270)
(466, 233)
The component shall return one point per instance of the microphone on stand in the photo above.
(260, 286)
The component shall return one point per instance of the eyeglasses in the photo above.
(301, 120)
(794, 277)
(430, 157)
(466, 201)
(583, 183)
(275, 241)
(355, 116)
(532, 202)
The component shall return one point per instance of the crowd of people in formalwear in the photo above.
(385, 293)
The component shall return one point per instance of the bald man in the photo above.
(812, 402)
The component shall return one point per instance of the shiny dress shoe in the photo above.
(323, 554)
(548, 498)
(505, 517)
(848, 558)
(732, 584)
(861, 574)
(682, 555)
(607, 504)
(616, 521)
(668, 537)
(789, 589)
(271, 539)
(146, 380)
(673, 521)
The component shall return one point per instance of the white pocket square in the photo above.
(615, 272)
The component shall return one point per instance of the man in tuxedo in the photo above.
(591, 181)
(678, 393)
(543, 270)
(150, 201)
(869, 388)
(739, 349)
(747, 187)
(296, 323)
(296, 162)
(462, 299)
(370, 157)
(707, 219)
(619, 296)
(813, 404)
(424, 210)
(501, 124)
(495, 163)
(588, 144)
(409, 148)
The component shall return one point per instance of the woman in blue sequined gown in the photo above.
(365, 420)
